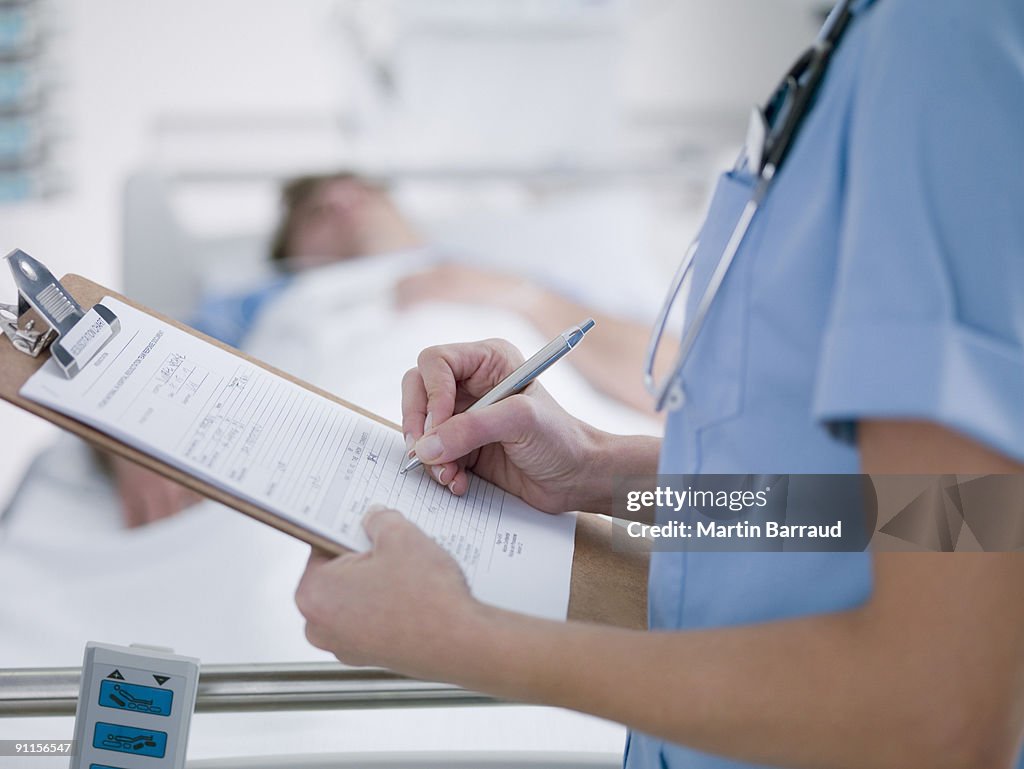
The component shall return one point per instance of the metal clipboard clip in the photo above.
(74, 335)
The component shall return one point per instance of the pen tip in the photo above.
(586, 325)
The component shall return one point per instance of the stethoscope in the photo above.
(773, 129)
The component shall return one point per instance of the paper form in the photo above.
(306, 458)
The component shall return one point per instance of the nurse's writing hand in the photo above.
(401, 605)
(527, 444)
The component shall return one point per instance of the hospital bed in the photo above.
(215, 585)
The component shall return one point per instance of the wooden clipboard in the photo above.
(604, 583)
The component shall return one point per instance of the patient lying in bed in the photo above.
(344, 218)
(359, 294)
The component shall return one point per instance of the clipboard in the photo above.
(16, 368)
(605, 586)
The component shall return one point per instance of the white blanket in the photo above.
(337, 327)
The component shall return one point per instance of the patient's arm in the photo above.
(613, 356)
(608, 586)
(146, 496)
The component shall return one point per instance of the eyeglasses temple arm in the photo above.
(666, 309)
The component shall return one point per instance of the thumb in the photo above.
(507, 421)
(380, 523)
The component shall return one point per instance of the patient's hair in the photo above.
(297, 191)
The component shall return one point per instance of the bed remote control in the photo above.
(134, 708)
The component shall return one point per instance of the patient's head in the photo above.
(334, 217)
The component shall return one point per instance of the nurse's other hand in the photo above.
(402, 604)
(527, 444)
(145, 496)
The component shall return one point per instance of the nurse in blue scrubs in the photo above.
(863, 267)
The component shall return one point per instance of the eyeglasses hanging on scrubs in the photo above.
(773, 128)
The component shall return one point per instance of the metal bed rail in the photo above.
(246, 688)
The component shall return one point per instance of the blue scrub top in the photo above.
(883, 277)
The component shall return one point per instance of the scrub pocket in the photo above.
(713, 377)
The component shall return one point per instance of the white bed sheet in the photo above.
(337, 327)
(214, 584)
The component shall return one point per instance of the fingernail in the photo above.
(409, 443)
(451, 486)
(375, 507)
(438, 473)
(428, 422)
(429, 447)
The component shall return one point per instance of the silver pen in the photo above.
(517, 381)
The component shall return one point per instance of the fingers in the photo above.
(508, 421)
(367, 608)
(459, 484)
(444, 473)
(380, 522)
(307, 596)
(387, 528)
(414, 422)
(472, 368)
(414, 406)
(447, 379)
(309, 592)
(440, 381)
(431, 391)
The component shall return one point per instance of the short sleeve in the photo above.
(927, 314)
